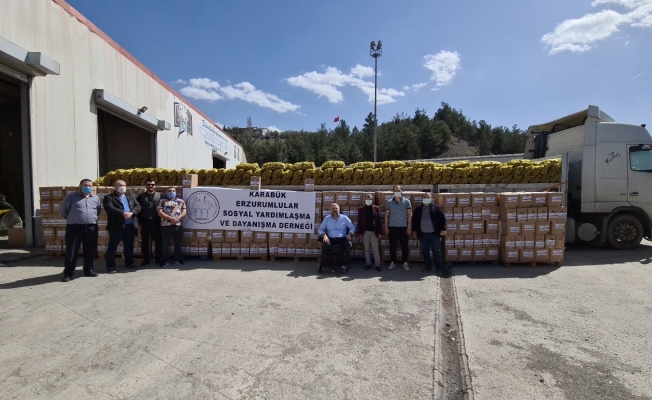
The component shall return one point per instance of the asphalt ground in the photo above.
(217, 330)
(582, 331)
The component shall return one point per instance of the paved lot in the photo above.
(223, 330)
(583, 331)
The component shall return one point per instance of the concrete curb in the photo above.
(10, 259)
(438, 390)
(467, 385)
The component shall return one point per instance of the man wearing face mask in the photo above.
(122, 224)
(398, 226)
(171, 210)
(429, 225)
(336, 229)
(150, 222)
(369, 231)
(80, 209)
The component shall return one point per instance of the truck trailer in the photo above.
(608, 175)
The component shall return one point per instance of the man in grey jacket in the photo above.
(80, 209)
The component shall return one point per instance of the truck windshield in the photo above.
(640, 159)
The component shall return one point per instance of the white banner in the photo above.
(244, 209)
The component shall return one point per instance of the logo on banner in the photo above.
(203, 207)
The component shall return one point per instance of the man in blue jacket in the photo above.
(336, 229)
(429, 225)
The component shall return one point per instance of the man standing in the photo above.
(122, 224)
(369, 231)
(171, 210)
(80, 209)
(429, 225)
(398, 226)
(150, 222)
(336, 229)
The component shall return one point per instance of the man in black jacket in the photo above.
(150, 222)
(122, 224)
(429, 225)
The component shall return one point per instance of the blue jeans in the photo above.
(126, 236)
(430, 241)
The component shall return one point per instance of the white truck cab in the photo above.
(609, 188)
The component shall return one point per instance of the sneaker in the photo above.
(165, 265)
(391, 265)
(179, 262)
(66, 278)
(378, 268)
(367, 267)
(406, 266)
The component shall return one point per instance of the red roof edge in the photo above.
(93, 28)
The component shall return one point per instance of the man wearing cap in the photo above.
(80, 209)
(150, 222)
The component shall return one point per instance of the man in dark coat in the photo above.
(121, 209)
(429, 225)
(150, 222)
(369, 231)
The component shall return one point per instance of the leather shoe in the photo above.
(111, 271)
(90, 274)
(378, 268)
(66, 278)
(132, 266)
(142, 264)
(367, 267)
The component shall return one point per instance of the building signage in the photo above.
(244, 209)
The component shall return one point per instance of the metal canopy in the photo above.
(570, 121)
(126, 111)
(27, 62)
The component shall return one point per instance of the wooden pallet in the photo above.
(239, 258)
(533, 264)
(313, 257)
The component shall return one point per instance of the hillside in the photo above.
(459, 148)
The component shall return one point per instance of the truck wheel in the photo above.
(624, 232)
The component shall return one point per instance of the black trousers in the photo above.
(176, 233)
(336, 241)
(126, 235)
(76, 235)
(397, 233)
(151, 229)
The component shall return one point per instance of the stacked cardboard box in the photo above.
(472, 231)
(532, 227)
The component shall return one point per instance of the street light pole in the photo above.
(375, 51)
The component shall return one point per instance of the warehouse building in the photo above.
(74, 104)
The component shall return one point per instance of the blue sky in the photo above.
(292, 65)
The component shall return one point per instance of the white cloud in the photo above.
(581, 34)
(273, 129)
(328, 84)
(418, 86)
(180, 82)
(207, 89)
(444, 66)
(200, 94)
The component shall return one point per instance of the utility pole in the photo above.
(376, 51)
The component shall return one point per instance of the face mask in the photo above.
(87, 190)
(397, 194)
(427, 201)
(335, 213)
(172, 195)
(122, 189)
(368, 202)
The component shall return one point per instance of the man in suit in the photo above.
(369, 231)
(122, 224)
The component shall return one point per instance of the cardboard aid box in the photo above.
(309, 185)
(510, 255)
(526, 255)
(464, 200)
(254, 183)
(508, 200)
(556, 255)
(328, 198)
(541, 255)
(479, 254)
(466, 254)
(451, 254)
(493, 253)
(446, 199)
(190, 180)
